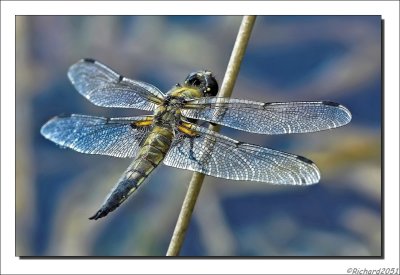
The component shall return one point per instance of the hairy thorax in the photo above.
(168, 115)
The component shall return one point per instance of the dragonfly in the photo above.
(174, 136)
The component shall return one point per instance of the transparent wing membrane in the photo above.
(268, 118)
(115, 137)
(216, 155)
(104, 87)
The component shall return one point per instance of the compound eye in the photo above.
(211, 86)
(205, 81)
(193, 79)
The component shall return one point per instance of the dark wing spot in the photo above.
(238, 143)
(121, 77)
(330, 103)
(305, 160)
(90, 60)
(267, 104)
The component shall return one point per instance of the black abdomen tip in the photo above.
(100, 214)
(96, 216)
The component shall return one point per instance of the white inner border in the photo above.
(13, 265)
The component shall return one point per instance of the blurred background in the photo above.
(289, 58)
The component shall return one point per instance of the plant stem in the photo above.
(196, 182)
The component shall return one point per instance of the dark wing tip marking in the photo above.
(306, 160)
(120, 78)
(89, 60)
(330, 103)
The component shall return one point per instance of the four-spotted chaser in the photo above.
(172, 135)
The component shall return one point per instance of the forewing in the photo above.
(216, 155)
(269, 118)
(115, 137)
(106, 88)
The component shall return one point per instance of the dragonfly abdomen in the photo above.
(127, 184)
(152, 152)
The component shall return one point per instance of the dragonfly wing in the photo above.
(104, 87)
(269, 118)
(216, 155)
(117, 137)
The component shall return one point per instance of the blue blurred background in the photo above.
(336, 58)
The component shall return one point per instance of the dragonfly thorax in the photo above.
(167, 115)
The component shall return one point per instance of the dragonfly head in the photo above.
(205, 81)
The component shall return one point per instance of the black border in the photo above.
(225, 257)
